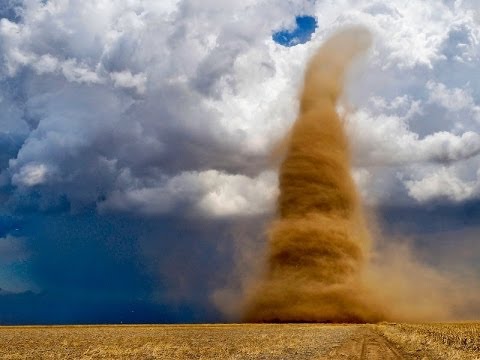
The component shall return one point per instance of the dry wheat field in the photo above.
(243, 341)
(442, 341)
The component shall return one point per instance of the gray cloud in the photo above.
(12, 250)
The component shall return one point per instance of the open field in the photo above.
(243, 341)
(442, 341)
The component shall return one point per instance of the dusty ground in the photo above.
(263, 341)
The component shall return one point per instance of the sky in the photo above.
(136, 173)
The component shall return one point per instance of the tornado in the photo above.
(318, 243)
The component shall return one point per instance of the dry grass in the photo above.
(262, 341)
(448, 341)
(281, 341)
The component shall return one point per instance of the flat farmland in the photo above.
(243, 341)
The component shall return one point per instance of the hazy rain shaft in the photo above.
(319, 242)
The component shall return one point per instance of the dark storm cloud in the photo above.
(12, 250)
(91, 269)
(433, 217)
(114, 268)
(59, 308)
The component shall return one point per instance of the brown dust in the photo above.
(319, 242)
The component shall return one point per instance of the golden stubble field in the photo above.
(243, 341)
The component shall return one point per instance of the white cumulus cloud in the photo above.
(211, 193)
(159, 106)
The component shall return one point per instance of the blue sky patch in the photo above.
(306, 26)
